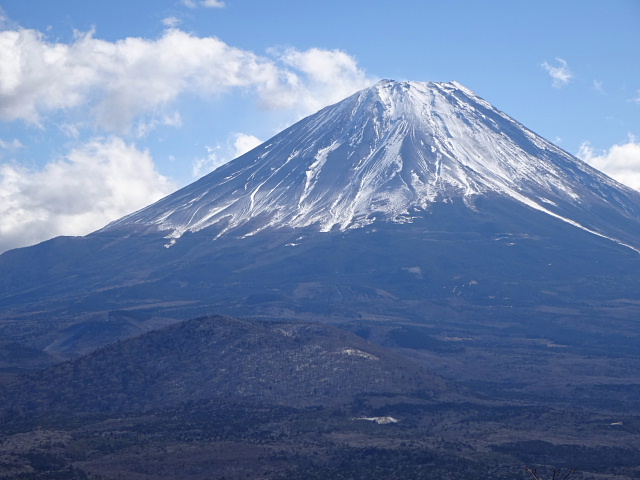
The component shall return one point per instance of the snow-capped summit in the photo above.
(387, 153)
(437, 208)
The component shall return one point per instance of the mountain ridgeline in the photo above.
(386, 154)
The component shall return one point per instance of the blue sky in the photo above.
(107, 106)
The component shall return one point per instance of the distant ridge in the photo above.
(224, 358)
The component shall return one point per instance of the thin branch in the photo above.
(556, 473)
(533, 472)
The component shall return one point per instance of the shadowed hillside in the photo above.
(223, 357)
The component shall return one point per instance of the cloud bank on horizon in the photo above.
(106, 97)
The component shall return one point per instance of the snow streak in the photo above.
(383, 154)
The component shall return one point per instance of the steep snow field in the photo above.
(387, 153)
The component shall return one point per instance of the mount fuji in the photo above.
(387, 153)
(407, 284)
(406, 203)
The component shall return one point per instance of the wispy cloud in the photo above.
(171, 22)
(213, 4)
(621, 162)
(237, 144)
(10, 146)
(204, 3)
(598, 86)
(203, 165)
(560, 73)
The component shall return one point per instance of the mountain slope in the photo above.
(414, 215)
(406, 202)
(386, 153)
(224, 358)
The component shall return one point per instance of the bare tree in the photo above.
(557, 473)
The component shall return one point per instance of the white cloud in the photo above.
(561, 74)
(10, 146)
(237, 144)
(204, 3)
(620, 162)
(244, 142)
(637, 98)
(313, 79)
(95, 184)
(598, 86)
(171, 22)
(37, 76)
(143, 127)
(212, 4)
(203, 165)
(112, 85)
(119, 81)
